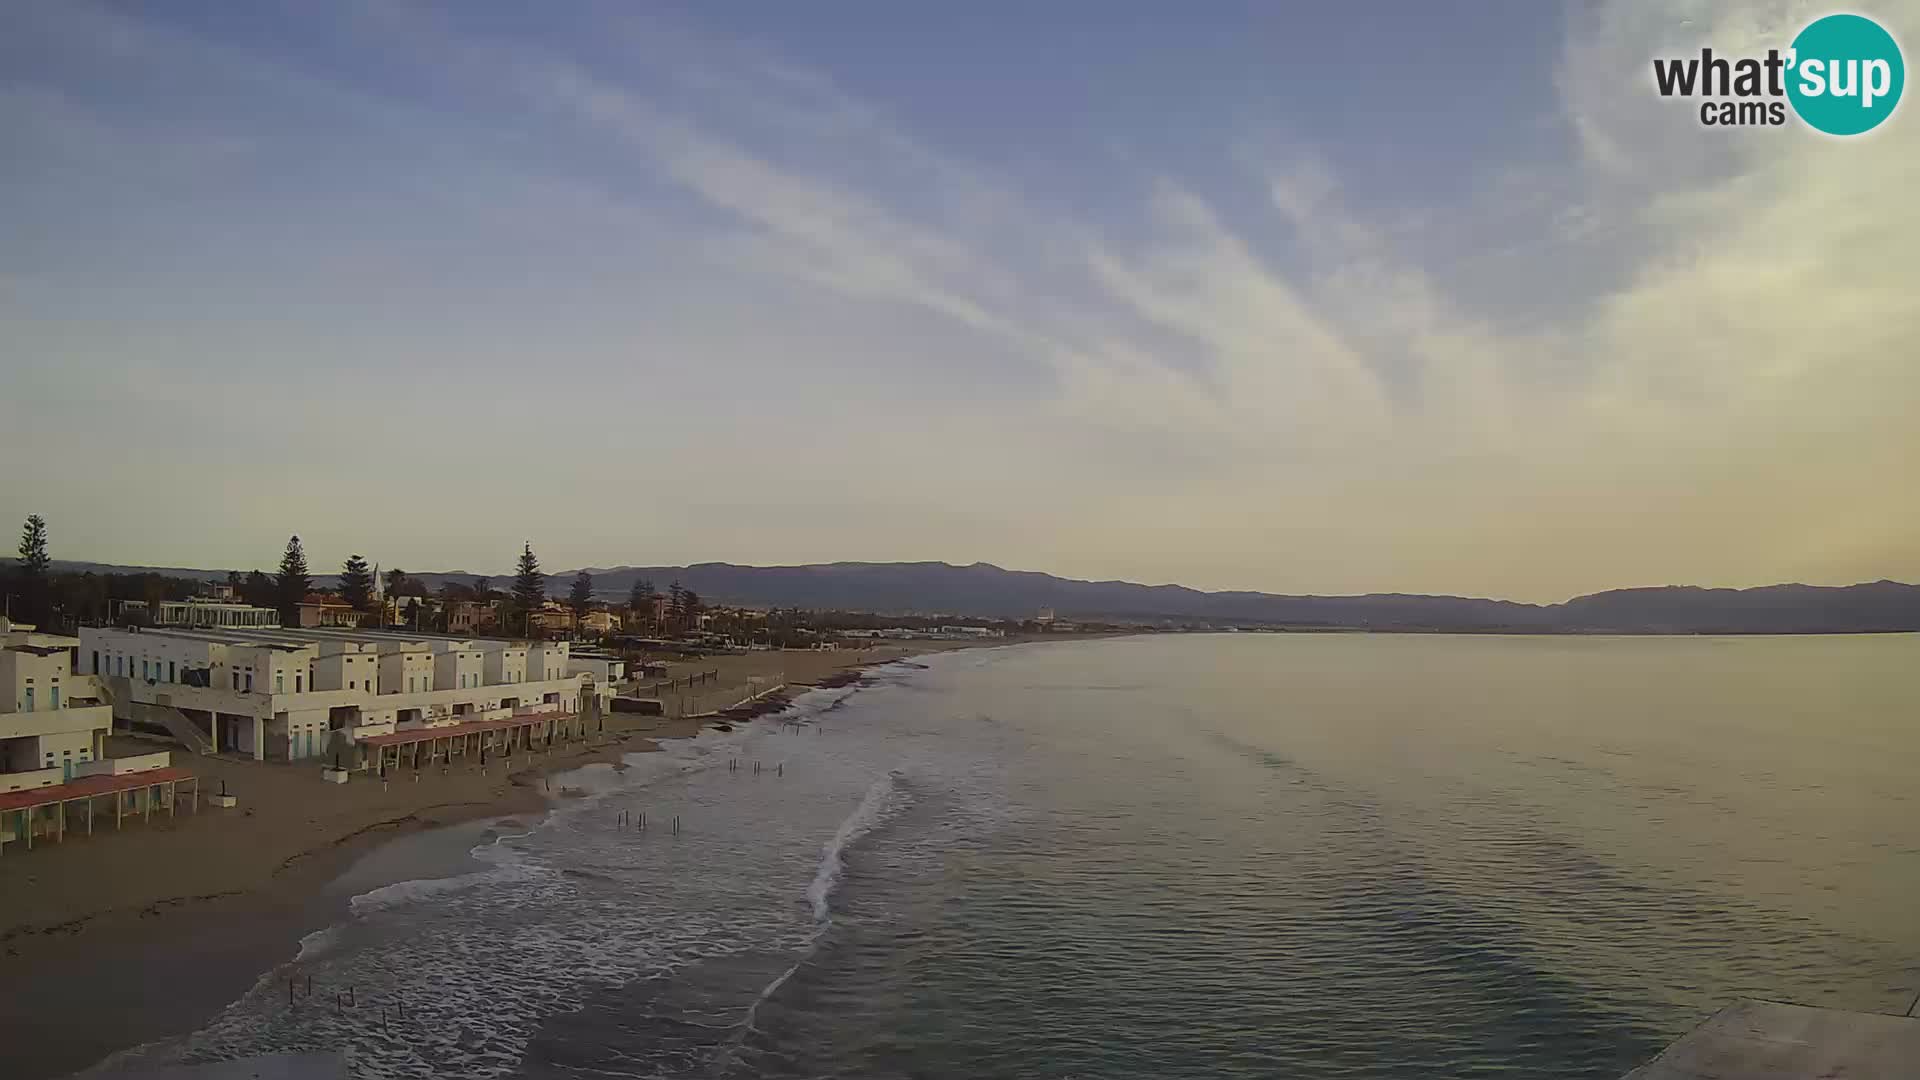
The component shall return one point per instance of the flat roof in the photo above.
(38, 650)
(414, 735)
(88, 787)
(263, 636)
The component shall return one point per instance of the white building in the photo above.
(52, 721)
(603, 669)
(288, 694)
(212, 613)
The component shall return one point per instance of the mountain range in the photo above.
(985, 590)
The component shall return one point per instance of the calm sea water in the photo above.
(1220, 856)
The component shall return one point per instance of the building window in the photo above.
(170, 671)
(279, 682)
(144, 673)
(236, 680)
(29, 706)
(53, 697)
(296, 682)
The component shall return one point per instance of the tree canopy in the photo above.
(580, 596)
(529, 584)
(356, 583)
(293, 582)
(32, 573)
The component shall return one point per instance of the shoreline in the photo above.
(134, 937)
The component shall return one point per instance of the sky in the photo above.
(1344, 298)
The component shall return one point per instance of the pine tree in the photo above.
(580, 597)
(482, 589)
(33, 571)
(356, 583)
(293, 582)
(677, 605)
(529, 584)
(690, 602)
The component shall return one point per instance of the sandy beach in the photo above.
(128, 936)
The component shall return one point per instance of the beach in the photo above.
(130, 935)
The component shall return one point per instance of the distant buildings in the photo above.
(904, 633)
(470, 616)
(600, 622)
(199, 612)
(327, 610)
(552, 618)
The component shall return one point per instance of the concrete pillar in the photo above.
(259, 739)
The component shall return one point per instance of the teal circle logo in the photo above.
(1846, 74)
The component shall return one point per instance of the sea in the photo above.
(1251, 855)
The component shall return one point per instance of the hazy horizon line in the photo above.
(594, 570)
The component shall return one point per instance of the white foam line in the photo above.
(872, 809)
(880, 799)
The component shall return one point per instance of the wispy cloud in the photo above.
(1248, 376)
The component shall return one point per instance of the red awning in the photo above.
(88, 787)
(472, 727)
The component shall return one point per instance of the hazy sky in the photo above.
(1374, 297)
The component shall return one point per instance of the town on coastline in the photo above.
(125, 693)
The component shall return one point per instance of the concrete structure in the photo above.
(52, 722)
(604, 669)
(507, 666)
(309, 693)
(1766, 1040)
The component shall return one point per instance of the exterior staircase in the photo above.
(177, 723)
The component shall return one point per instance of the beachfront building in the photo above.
(54, 724)
(51, 720)
(293, 694)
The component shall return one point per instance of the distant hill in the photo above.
(984, 590)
